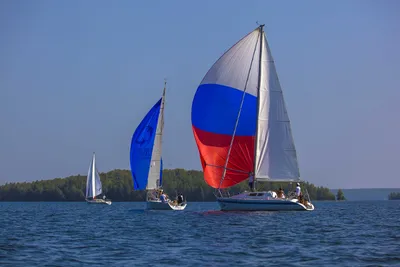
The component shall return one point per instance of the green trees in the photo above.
(340, 195)
(117, 185)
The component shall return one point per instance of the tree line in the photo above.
(340, 195)
(117, 186)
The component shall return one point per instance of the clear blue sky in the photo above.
(78, 76)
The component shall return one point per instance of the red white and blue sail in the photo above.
(239, 118)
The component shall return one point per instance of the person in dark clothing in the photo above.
(251, 181)
(180, 199)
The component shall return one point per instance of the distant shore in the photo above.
(117, 186)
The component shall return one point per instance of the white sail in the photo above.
(276, 157)
(93, 182)
(155, 163)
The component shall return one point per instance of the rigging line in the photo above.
(237, 119)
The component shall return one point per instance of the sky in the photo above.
(77, 77)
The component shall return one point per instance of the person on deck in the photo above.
(180, 199)
(298, 190)
(251, 181)
(158, 193)
(163, 197)
(281, 193)
(298, 193)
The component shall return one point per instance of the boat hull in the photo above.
(237, 204)
(98, 201)
(158, 205)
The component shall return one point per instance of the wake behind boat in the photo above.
(94, 186)
(242, 129)
(146, 160)
(98, 201)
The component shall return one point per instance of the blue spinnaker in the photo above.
(142, 146)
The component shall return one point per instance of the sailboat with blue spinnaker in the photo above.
(146, 161)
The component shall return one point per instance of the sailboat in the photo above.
(146, 161)
(93, 185)
(242, 128)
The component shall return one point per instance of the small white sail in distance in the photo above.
(93, 183)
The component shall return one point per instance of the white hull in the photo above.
(246, 202)
(98, 201)
(158, 205)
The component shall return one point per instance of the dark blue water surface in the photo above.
(123, 234)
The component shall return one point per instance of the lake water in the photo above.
(123, 234)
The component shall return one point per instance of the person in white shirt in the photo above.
(299, 194)
(163, 198)
(298, 190)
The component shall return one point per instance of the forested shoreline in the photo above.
(117, 186)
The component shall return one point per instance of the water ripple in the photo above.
(123, 234)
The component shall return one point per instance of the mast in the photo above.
(258, 103)
(163, 97)
(93, 176)
(162, 127)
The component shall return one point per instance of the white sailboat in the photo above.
(146, 160)
(93, 185)
(242, 128)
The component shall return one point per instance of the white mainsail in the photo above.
(276, 157)
(93, 182)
